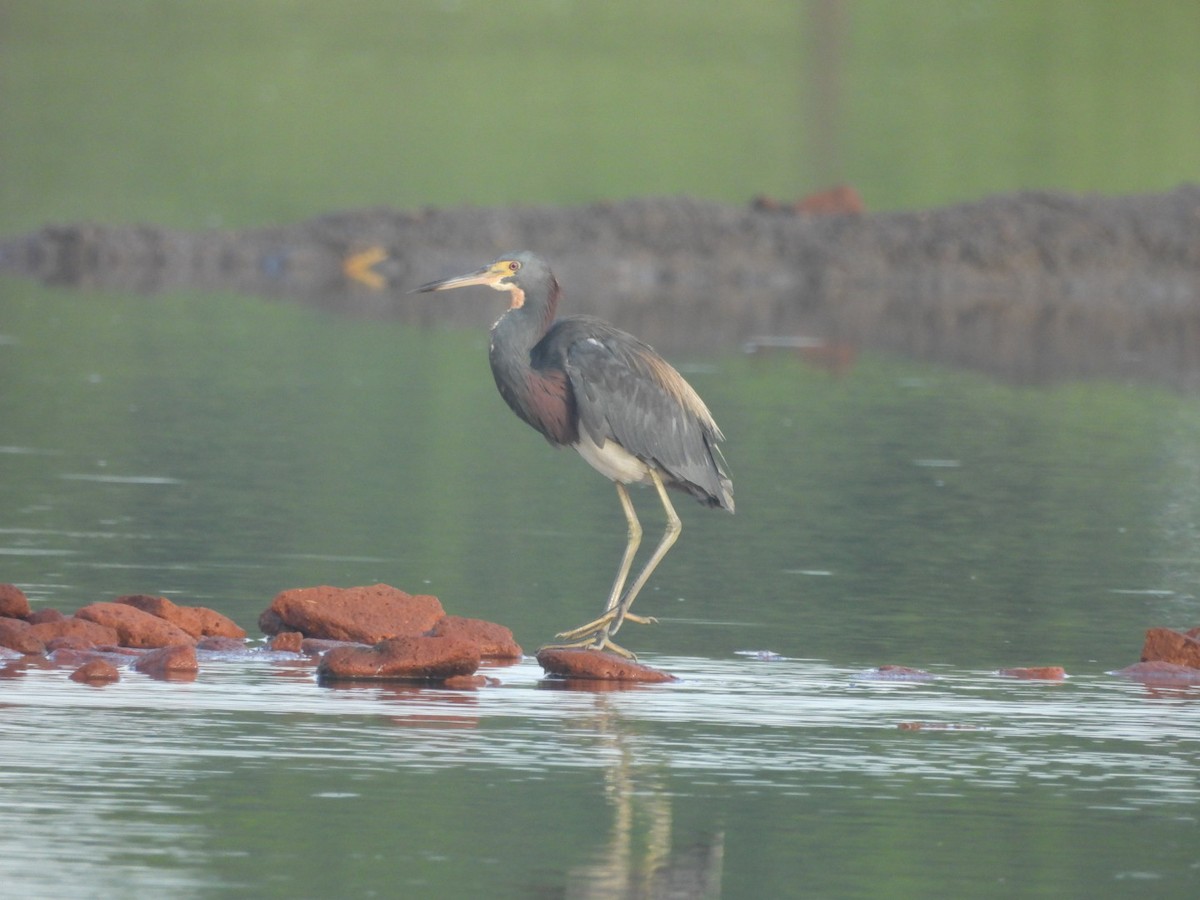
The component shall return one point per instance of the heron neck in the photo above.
(521, 327)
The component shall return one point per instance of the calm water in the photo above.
(218, 449)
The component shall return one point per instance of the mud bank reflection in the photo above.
(1032, 287)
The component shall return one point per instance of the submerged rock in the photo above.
(598, 665)
(469, 682)
(895, 673)
(1165, 645)
(419, 658)
(177, 662)
(225, 645)
(96, 671)
(1160, 673)
(364, 614)
(1035, 673)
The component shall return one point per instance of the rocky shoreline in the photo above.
(381, 633)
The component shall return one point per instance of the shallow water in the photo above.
(218, 449)
(785, 777)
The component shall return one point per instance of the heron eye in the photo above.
(513, 266)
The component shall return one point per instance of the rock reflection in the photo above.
(1033, 287)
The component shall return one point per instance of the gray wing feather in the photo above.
(626, 393)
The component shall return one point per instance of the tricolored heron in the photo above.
(583, 383)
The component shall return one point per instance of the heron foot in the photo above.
(598, 641)
(601, 624)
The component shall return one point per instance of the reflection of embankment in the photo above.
(1033, 286)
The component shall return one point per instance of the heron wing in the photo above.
(627, 393)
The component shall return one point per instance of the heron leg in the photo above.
(633, 541)
(670, 536)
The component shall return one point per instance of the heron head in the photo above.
(515, 273)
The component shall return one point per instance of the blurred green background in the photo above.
(229, 112)
(219, 448)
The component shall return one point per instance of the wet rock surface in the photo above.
(176, 662)
(96, 671)
(599, 666)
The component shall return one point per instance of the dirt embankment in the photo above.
(1033, 286)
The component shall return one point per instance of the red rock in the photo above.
(1165, 645)
(841, 199)
(1034, 673)
(135, 628)
(288, 642)
(42, 616)
(177, 662)
(404, 658)
(18, 635)
(494, 641)
(366, 615)
(198, 621)
(597, 665)
(1160, 672)
(96, 671)
(13, 602)
(94, 633)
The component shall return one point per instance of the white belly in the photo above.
(612, 461)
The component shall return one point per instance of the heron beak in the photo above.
(486, 275)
